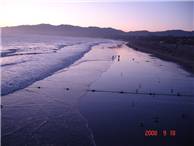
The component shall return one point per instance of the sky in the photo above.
(126, 15)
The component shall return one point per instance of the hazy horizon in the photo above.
(125, 15)
(92, 26)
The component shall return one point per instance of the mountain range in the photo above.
(77, 31)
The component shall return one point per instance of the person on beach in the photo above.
(118, 58)
(113, 58)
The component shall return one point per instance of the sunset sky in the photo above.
(126, 15)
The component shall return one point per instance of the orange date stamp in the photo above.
(164, 133)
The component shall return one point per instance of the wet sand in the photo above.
(46, 112)
(119, 113)
(186, 63)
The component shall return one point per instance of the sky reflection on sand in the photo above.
(121, 119)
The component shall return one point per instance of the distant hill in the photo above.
(177, 33)
(62, 30)
(77, 31)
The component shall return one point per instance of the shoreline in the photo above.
(186, 65)
(67, 62)
(51, 104)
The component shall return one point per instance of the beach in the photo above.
(100, 100)
(174, 49)
(46, 112)
(140, 93)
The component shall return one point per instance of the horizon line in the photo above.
(93, 26)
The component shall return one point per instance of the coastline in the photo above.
(32, 61)
(187, 65)
(50, 106)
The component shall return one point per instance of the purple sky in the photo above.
(126, 15)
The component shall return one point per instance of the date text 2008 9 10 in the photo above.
(151, 132)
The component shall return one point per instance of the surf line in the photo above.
(142, 93)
